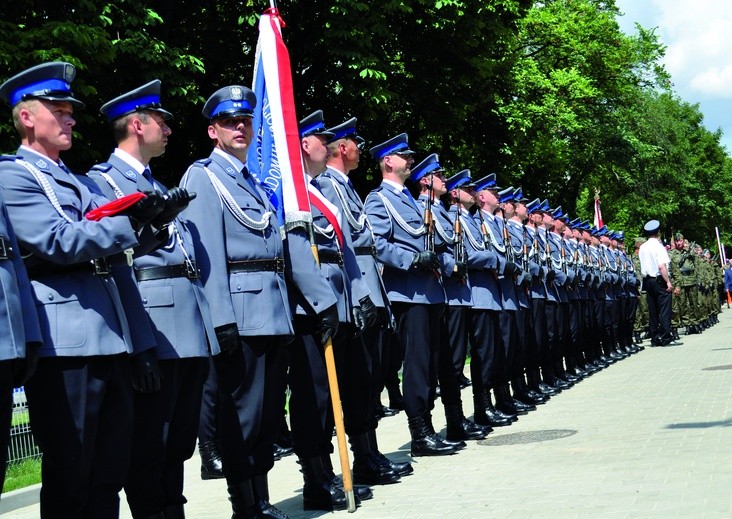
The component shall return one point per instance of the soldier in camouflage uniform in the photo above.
(687, 283)
(640, 326)
(677, 311)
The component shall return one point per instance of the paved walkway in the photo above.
(650, 436)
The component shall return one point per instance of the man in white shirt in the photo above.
(654, 260)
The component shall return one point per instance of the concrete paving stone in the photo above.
(653, 438)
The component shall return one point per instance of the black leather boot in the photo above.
(459, 444)
(535, 383)
(362, 492)
(505, 403)
(402, 468)
(367, 468)
(425, 442)
(523, 394)
(484, 412)
(319, 492)
(243, 502)
(210, 460)
(261, 495)
(460, 428)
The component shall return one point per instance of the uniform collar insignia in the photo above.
(41, 163)
(130, 174)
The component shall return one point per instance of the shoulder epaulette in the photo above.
(102, 166)
(204, 162)
(9, 158)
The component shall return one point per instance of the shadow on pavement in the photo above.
(527, 437)
(701, 425)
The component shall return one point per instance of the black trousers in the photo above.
(81, 411)
(311, 417)
(506, 346)
(552, 332)
(457, 322)
(574, 316)
(418, 331)
(6, 413)
(659, 310)
(599, 320)
(164, 436)
(454, 326)
(251, 384)
(538, 317)
(521, 343)
(208, 420)
(377, 341)
(483, 351)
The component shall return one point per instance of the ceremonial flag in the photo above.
(598, 214)
(274, 157)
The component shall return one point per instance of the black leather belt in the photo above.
(5, 249)
(185, 270)
(330, 257)
(365, 251)
(97, 267)
(270, 265)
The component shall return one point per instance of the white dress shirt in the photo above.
(652, 254)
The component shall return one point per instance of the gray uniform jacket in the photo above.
(509, 297)
(344, 277)
(560, 277)
(396, 246)
(536, 264)
(339, 191)
(456, 292)
(80, 314)
(516, 234)
(257, 301)
(482, 265)
(176, 306)
(18, 317)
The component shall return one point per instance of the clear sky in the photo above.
(698, 39)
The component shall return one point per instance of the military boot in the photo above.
(261, 495)
(211, 467)
(318, 491)
(243, 502)
(425, 442)
(402, 468)
(485, 413)
(460, 428)
(368, 469)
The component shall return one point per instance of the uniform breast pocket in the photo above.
(64, 321)
(246, 296)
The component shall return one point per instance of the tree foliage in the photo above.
(550, 95)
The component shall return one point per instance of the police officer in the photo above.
(310, 408)
(18, 327)
(244, 270)
(83, 375)
(166, 421)
(370, 465)
(453, 331)
(484, 267)
(412, 278)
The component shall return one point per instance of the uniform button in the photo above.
(50, 297)
(144, 301)
(315, 303)
(238, 287)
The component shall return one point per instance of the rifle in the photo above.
(459, 242)
(429, 218)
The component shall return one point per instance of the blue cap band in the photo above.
(132, 105)
(56, 85)
(233, 106)
(316, 126)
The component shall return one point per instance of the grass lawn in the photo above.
(22, 474)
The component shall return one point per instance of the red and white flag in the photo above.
(598, 214)
(275, 156)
